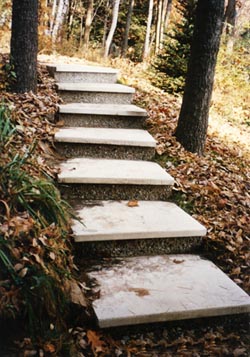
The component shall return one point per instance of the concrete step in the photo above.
(74, 73)
(146, 289)
(102, 115)
(112, 228)
(95, 93)
(130, 144)
(105, 179)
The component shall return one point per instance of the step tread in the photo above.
(107, 171)
(115, 220)
(164, 288)
(95, 87)
(106, 136)
(82, 68)
(102, 109)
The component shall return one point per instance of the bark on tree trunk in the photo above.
(128, 22)
(24, 44)
(149, 23)
(193, 120)
(88, 22)
(115, 14)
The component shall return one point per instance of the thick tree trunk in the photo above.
(149, 23)
(24, 44)
(193, 120)
(128, 22)
(88, 22)
(115, 14)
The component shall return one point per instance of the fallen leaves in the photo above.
(133, 203)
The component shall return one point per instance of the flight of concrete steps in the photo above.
(121, 197)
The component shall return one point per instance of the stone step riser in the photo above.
(72, 150)
(95, 97)
(102, 121)
(115, 192)
(138, 247)
(78, 77)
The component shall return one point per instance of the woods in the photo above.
(167, 50)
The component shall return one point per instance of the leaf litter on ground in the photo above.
(213, 188)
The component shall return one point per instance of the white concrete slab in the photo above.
(106, 136)
(115, 220)
(164, 288)
(95, 87)
(105, 171)
(102, 109)
(82, 68)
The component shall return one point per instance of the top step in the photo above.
(69, 73)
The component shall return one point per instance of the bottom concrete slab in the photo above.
(164, 288)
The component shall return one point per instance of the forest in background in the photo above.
(221, 201)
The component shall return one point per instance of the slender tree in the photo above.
(193, 120)
(62, 10)
(149, 23)
(24, 43)
(128, 22)
(115, 13)
(88, 22)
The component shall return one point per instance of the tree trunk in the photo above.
(52, 18)
(24, 44)
(128, 22)
(166, 9)
(115, 14)
(149, 23)
(229, 23)
(158, 26)
(62, 10)
(88, 22)
(193, 120)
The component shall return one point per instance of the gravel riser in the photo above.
(102, 121)
(115, 192)
(70, 150)
(78, 77)
(137, 247)
(95, 97)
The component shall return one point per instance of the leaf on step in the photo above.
(133, 203)
(176, 261)
(139, 291)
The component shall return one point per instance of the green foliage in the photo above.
(35, 260)
(170, 66)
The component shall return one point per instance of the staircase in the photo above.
(150, 270)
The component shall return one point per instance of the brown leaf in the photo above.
(132, 203)
(49, 348)
(76, 293)
(239, 352)
(176, 261)
(94, 339)
(139, 291)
